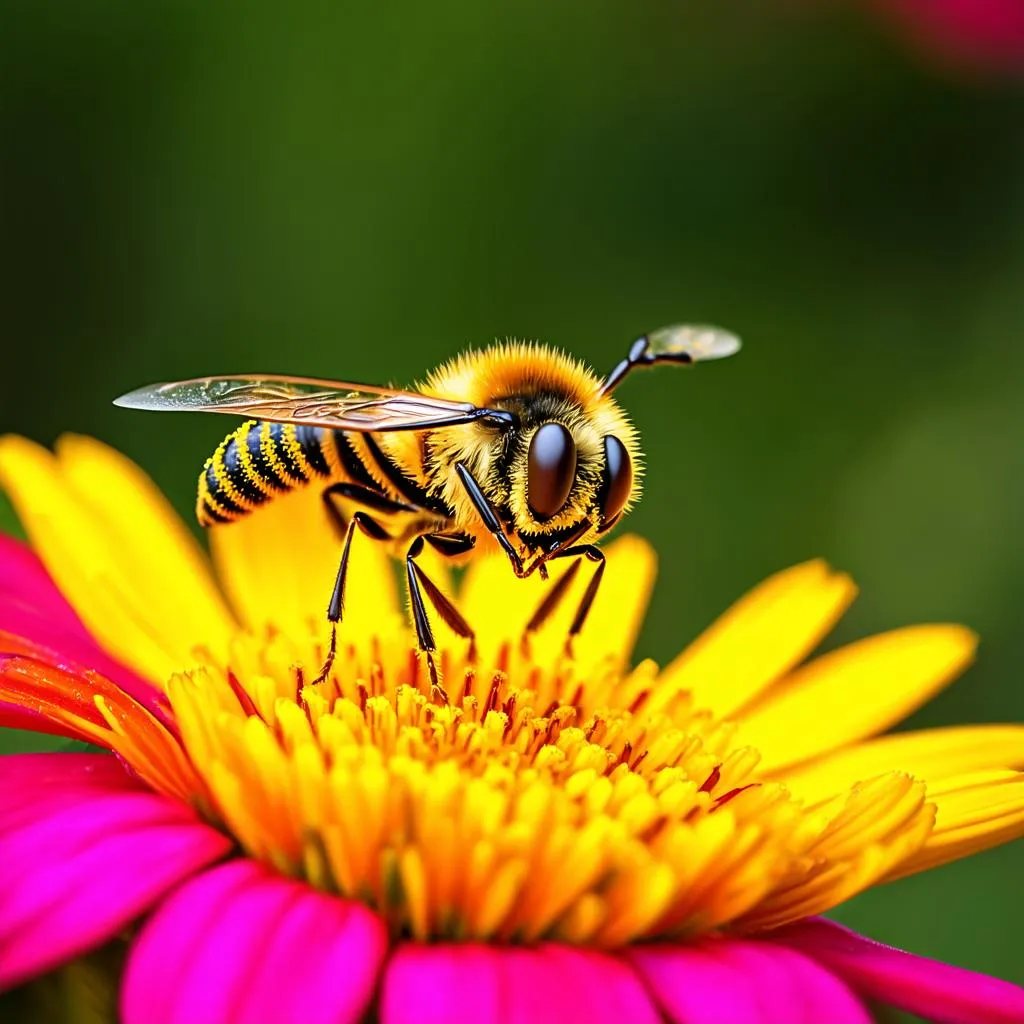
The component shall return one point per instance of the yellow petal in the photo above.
(874, 829)
(930, 754)
(762, 636)
(854, 692)
(278, 565)
(117, 551)
(974, 812)
(499, 605)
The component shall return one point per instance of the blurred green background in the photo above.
(192, 189)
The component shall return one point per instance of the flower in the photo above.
(975, 33)
(561, 839)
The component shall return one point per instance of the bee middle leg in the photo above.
(365, 496)
(561, 586)
(336, 607)
(368, 499)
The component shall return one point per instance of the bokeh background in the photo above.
(195, 188)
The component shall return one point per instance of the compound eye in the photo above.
(617, 482)
(551, 469)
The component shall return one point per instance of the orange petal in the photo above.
(97, 711)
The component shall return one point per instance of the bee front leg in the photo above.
(593, 554)
(486, 511)
(552, 599)
(555, 596)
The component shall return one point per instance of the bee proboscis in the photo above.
(518, 446)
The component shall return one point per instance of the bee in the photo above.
(518, 447)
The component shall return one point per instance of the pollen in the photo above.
(525, 802)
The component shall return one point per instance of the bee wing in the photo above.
(309, 401)
(691, 343)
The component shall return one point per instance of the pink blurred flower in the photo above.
(977, 33)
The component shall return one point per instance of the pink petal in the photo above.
(23, 575)
(43, 771)
(478, 984)
(84, 851)
(744, 982)
(28, 782)
(59, 645)
(32, 607)
(937, 991)
(241, 943)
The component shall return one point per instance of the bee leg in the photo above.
(365, 496)
(450, 615)
(336, 607)
(338, 521)
(448, 546)
(424, 633)
(487, 513)
(593, 554)
(546, 608)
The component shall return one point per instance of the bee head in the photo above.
(568, 462)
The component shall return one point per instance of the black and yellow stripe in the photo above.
(259, 460)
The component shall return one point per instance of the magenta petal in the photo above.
(32, 608)
(83, 856)
(744, 982)
(479, 984)
(61, 645)
(937, 991)
(24, 576)
(44, 772)
(444, 984)
(32, 784)
(242, 944)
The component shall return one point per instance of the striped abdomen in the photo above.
(260, 460)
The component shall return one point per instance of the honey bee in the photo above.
(517, 446)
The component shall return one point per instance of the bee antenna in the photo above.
(680, 344)
(639, 355)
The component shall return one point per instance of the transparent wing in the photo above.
(691, 343)
(309, 401)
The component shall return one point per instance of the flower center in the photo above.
(528, 802)
(531, 804)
